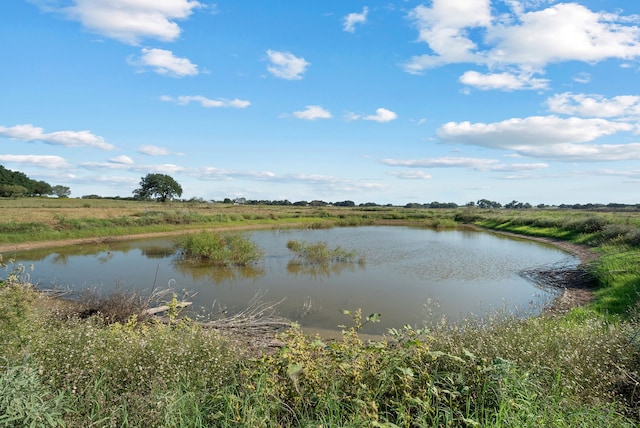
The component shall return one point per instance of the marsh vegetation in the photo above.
(579, 368)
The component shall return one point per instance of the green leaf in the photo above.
(374, 317)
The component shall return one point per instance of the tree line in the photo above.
(15, 184)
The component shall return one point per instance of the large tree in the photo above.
(160, 186)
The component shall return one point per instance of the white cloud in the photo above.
(122, 159)
(164, 62)
(132, 20)
(411, 175)
(502, 81)
(206, 102)
(545, 137)
(526, 40)
(594, 105)
(352, 19)
(42, 161)
(30, 133)
(444, 27)
(151, 150)
(313, 113)
(286, 65)
(382, 115)
(564, 32)
(476, 164)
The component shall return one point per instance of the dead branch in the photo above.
(563, 274)
(257, 317)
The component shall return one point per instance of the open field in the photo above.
(60, 366)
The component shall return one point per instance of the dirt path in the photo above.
(7, 249)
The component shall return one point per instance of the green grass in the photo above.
(580, 369)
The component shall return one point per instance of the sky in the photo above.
(391, 102)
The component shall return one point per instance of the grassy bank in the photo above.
(61, 367)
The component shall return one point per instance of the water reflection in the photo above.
(411, 275)
(218, 274)
(318, 270)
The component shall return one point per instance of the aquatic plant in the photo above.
(222, 249)
(319, 252)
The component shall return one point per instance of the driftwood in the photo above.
(163, 308)
(259, 317)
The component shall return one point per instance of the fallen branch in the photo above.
(257, 317)
(163, 308)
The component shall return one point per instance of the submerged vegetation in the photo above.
(59, 367)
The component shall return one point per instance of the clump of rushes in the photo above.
(225, 250)
(319, 252)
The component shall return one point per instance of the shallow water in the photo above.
(410, 275)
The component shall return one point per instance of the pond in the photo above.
(409, 275)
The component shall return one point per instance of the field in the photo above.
(103, 363)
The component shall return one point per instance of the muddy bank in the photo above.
(576, 286)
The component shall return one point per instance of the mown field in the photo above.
(103, 363)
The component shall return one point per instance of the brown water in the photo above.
(410, 275)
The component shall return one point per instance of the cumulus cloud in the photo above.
(382, 115)
(286, 65)
(476, 164)
(564, 32)
(163, 62)
(206, 102)
(28, 133)
(42, 161)
(502, 81)
(352, 19)
(545, 137)
(131, 20)
(444, 27)
(312, 113)
(594, 105)
(524, 39)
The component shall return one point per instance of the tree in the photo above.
(160, 186)
(61, 191)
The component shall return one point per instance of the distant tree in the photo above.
(515, 205)
(160, 186)
(41, 188)
(317, 203)
(345, 204)
(485, 203)
(12, 190)
(61, 191)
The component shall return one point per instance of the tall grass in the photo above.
(220, 249)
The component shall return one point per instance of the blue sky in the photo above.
(387, 102)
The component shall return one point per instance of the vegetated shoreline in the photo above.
(572, 295)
